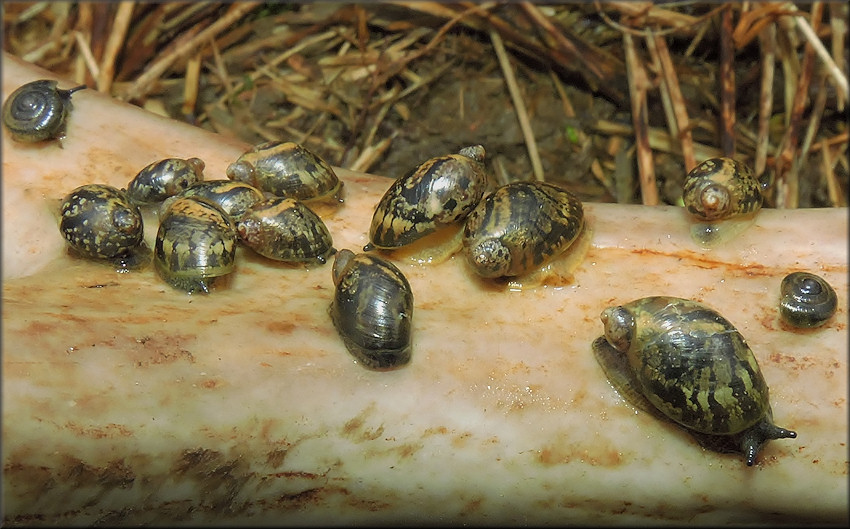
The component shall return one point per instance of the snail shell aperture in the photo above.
(38, 111)
(806, 300)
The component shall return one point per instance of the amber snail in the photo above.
(682, 359)
(806, 300)
(284, 229)
(164, 178)
(438, 192)
(195, 245)
(520, 227)
(722, 196)
(99, 222)
(286, 170)
(235, 198)
(372, 309)
(38, 111)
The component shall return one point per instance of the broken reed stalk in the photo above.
(638, 84)
(114, 43)
(727, 84)
(767, 45)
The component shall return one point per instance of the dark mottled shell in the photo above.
(235, 198)
(165, 178)
(806, 300)
(195, 245)
(286, 170)
(692, 365)
(721, 188)
(99, 222)
(284, 229)
(372, 309)
(38, 111)
(439, 192)
(520, 227)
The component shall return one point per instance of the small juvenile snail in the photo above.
(520, 227)
(284, 229)
(164, 178)
(806, 300)
(235, 198)
(38, 111)
(439, 192)
(722, 196)
(286, 170)
(195, 245)
(99, 222)
(683, 359)
(372, 309)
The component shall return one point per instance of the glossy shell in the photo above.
(38, 111)
(235, 198)
(438, 192)
(372, 309)
(164, 178)
(721, 188)
(806, 300)
(195, 245)
(520, 227)
(286, 170)
(690, 364)
(99, 222)
(284, 229)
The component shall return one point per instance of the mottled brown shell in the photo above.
(806, 300)
(284, 229)
(690, 364)
(721, 188)
(286, 170)
(438, 192)
(235, 198)
(38, 111)
(372, 309)
(520, 227)
(164, 178)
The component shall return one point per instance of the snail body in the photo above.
(38, 111)
(372, 309)
(806, 300)
(689, 363)
(520, 227)
(286, 170)
(164, 178)
(438, 192)
(284, 229)
(195, 245)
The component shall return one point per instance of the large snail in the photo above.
(164, 178)
(806, 300)
(683, 359)
(372, 309)
(722, 196)
(38, 111)
(284, 229)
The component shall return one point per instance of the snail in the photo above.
(286, 170)
(520, 227)
(439, 192)
(164, 178)
(195, 245)
(233, 197)
(722, 196)
(284, 229)
(682, 359)
(99, 222)
(806, 300)
(38, 111)
(372, 309)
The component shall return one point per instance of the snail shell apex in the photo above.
(806, 300)
(38, 111)
(99, 222)
(164, 178)
(284, 229)
(721, 188)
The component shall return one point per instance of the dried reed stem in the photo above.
(727, 84)
(638, 84)
(767, 43)
(117, 36)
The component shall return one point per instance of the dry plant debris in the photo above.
(614, 100)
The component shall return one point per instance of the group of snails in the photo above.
(673, 357)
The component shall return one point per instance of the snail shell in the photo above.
(286, 170)
(163, 179)
(439, 192)
(520, 227)
(372, 309)
(38, 111)
(806, 300)
(235, 198)
(284, 229)
(692, 366)
(195, 245)
(99, 222)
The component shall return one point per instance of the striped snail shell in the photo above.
(372, 309)
(38, 111)
(195, 245)
(806, 300)
(284, 229)
(682, 359)
(235, 198)
(164, 178)
(438, 192)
